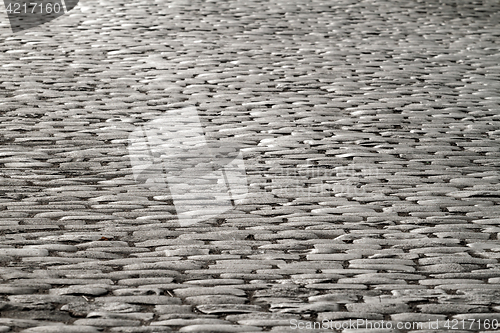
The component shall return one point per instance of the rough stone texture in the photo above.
(370, 134)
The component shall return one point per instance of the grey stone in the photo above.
(24, 323)
(107, 322)
(150, 300)
(477, 316)
(141, 291)
(162, 309)
(146, 280)
(306, 308)
(334, 316)
(16, 290)
(187, 292)
(215, 299)
(141, 329)
(371, 164)
(384, 308)
(42, 299)
(187, 322)
(144, 316)
(416, 317)
(211, 282)
(264, 322)
(24, 252)
(451, 308)
(62, 329)
(81, 290)
(228, 308)
(220, 328)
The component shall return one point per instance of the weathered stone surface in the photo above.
(24, 252)
(62, 329)
(151, 300)
(81, 290)
(107, 322)
(451, 308)
(369, 134)
(215, 299)
(228, 308)
(141, 329)
(220, 328)
(187, 292)
(383, 308)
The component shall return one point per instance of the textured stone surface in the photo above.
(370, 136)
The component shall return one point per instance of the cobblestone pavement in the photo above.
(370, 131)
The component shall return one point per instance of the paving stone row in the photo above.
(370, 133)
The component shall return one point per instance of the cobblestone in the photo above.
(369, 132)
(61, 329)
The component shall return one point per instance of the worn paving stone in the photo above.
(370, 141)
(366, 330)
(342, 315)
(24, 323)
(215, 299)
(107, 322)
(383, 308)
(150, 300)
(144, 316)
(219, 328)
(416, 317)
(13, 290)
(305, 308)
(24, 252)
(228, 308)
(190, 321)
(141, 329)
(81, 290)
(63, 329)
(451, 308)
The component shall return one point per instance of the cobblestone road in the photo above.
(371, 140)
